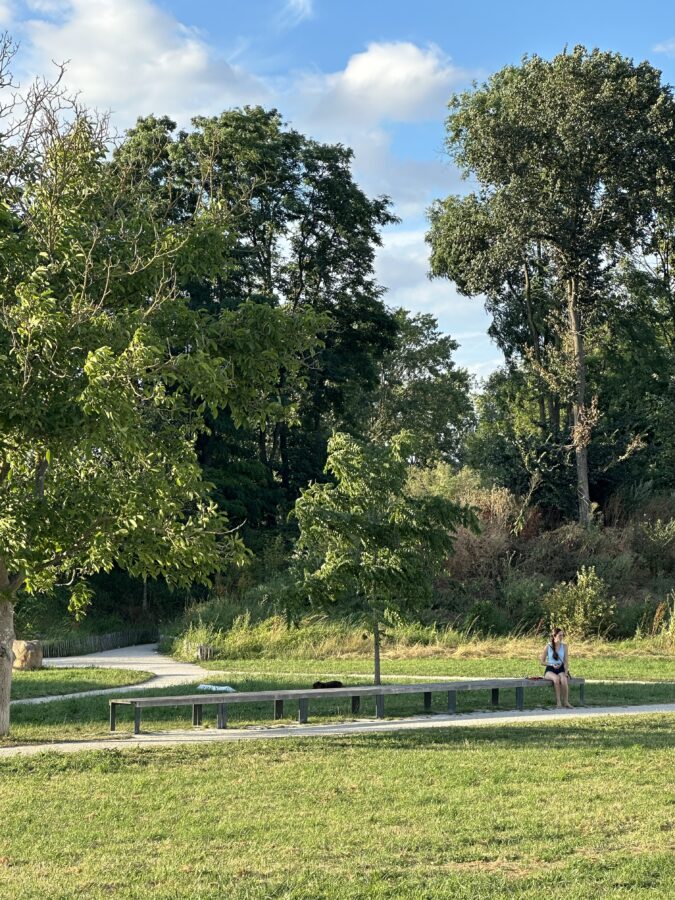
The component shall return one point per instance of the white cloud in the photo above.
(132, 57)
(396, 81)
(483, 369)
(387, 84)
(666, 47)
(7, 12)
(296, 11)
(402, 265)
(48, 7)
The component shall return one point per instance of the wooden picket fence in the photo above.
(94, 643)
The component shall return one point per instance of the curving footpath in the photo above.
(166, 672)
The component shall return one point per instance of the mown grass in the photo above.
(639, 668)
(87, 717)
(579, 809)
(50, 682)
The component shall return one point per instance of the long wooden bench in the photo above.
(355, 692)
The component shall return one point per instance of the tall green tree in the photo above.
(569, 156)
(422, 390)
(303, 237)
(106, 372)
(366, 545)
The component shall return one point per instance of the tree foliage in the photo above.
(422, 390)
(569, 156)
(106, 370)
(367, 546)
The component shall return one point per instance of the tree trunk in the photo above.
(376, 644)
(6, 659)
(535, 337)
(581, 437)
(144, 598)
(283, 454)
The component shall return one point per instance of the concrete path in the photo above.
(143, 657)
(202, 736)
(167, 672)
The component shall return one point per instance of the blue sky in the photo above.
(373, 74)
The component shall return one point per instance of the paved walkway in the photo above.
(142, 658)
(202, 736)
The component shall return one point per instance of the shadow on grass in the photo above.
(569, 742)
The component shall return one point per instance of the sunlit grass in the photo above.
(579, 808)
(87, 717)
(317, 637)
(49, 682)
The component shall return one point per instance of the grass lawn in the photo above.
(576, 809)
(641, 668)
(48, 682)
(87, 717)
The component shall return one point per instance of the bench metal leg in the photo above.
(520, 697)
(113, 710)
(581, 695)
(221, 719)
(452, 701)
(356, 705)
(278, 709)
(495, 696)
(303, 711)
(196, 714)
(427, 701)
(379, 706)
(137, 720)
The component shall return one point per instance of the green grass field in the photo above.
(49, 682)
(573, 809)
(640, 668)
(87, 717)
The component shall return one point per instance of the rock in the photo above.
(27, 655)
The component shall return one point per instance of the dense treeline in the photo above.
(206, 297)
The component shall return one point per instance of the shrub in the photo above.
(582, 608)
(618, 571)
(656, 542)
(483, 557)
(522, 598)
(635, 619)
(486, 617)
(662, 626)
(494, 504)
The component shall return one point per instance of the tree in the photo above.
(422, 390)
(366, 545)
(569, 156)
(106, 373)
(303, 236)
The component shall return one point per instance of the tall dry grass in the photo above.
(316, 637)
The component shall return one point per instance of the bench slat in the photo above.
(197, 701)
(354, 691)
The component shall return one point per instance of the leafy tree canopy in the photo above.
(366, 546)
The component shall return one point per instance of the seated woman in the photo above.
(556, 659)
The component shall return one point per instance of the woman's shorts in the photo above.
(555, 671)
